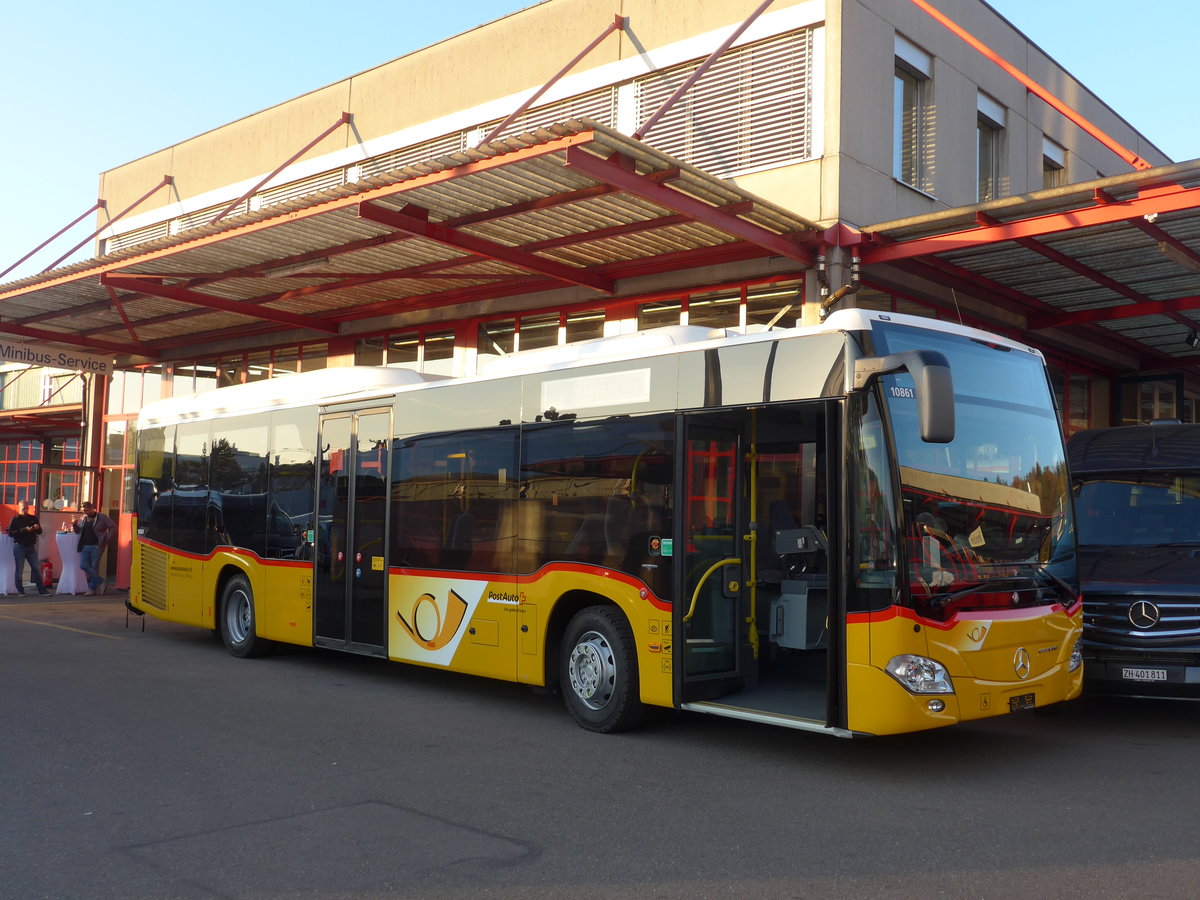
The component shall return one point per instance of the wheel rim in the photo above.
(237, 616)
(593, 670)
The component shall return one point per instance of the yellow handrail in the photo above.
(703, 578)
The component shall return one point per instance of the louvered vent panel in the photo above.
(600, 105)
(751, 110)
(133, 238)
(291, 191)
(406, 156)
(154, 578)
(205, 216)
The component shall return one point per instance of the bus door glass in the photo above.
(351, 576)
(708, 626)
(757, 620)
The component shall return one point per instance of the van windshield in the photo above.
(1139, 509)
(987, 517)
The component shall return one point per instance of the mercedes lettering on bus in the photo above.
(857, 528)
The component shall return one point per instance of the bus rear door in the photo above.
(350, 583)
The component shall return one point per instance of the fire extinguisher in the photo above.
(47, 573)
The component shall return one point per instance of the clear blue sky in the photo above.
(88, 86)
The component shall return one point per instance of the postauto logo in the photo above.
(431, 624)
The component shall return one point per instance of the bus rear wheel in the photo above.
(236, 619)
(598, 671)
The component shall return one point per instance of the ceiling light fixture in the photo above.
(1192, 340)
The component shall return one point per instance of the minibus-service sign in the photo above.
(55, 358)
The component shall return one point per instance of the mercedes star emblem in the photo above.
(1021, 664)
(1143, 614)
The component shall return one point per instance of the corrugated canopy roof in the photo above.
(574, 204)
(1108, 270)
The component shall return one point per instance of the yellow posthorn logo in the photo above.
(432, 624)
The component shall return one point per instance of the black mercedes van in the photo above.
(1137, 507)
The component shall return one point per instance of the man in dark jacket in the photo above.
(24, 530)
(95, 530)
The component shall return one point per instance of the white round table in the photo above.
(70, 579)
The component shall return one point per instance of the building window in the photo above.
(431, 352)
(989, 131)
(19, 461)
(719, 309)
(910, 111)
(1054, 164)
(775, 304)
(585, 326)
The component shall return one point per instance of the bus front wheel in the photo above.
(237, 619)
(598, 672)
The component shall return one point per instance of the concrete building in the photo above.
(578, 169)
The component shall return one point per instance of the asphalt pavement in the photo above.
(139, 760)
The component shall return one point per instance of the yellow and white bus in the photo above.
(857, 528)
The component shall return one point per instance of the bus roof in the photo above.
(353, 383)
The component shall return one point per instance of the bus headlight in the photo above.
(920, 675)
(1076, 655)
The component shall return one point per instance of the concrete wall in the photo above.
(513, 55)
(865, 31)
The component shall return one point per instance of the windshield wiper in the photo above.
(941, 601)
(1041, 569)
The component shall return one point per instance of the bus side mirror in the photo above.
(935, 388)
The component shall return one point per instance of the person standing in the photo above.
(24, 529)
(95, 530)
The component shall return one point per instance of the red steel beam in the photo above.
(99, 204)
(1162, 237)
(629, 182)
(1036, 89)
(116, 301)
(86, 342)
(1068, 262)
(695, 76)
(1146, 203)
(166, 180)
(424, 271)
(970, 282)
(435, 231)
(1111, 313)
(209, 301)
(482, 165)
(1019, 334)
(342, 120)
(618, 24)
(627, 269)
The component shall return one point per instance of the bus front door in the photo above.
(754, 623)
(709, 624)
(350, 582)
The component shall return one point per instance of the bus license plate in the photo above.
(1130, 674)
(1024, 701)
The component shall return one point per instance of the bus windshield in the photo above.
(987, 517)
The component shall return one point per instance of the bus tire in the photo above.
(598, 671)
(237, 620)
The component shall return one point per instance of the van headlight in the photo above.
(1076, 655)
(920, 675)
